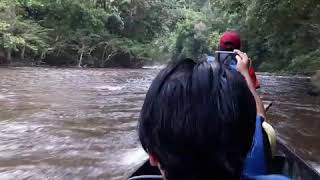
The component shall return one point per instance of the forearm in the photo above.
(259, 103)
(243, 68)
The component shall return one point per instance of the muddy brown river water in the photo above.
(81, 123)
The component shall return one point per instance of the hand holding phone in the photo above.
(243, 62)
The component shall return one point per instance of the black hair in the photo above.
(198, 120)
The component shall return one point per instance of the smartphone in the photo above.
(227, 57)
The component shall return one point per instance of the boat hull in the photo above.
(292, 165)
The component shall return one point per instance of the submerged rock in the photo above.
(315, 85)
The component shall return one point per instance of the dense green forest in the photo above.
(279, 35)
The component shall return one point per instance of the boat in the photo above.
(289, 163)
(285, 162)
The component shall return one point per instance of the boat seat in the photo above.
(147, 177)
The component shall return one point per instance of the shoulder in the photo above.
(210, 59)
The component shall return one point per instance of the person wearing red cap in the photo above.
(230, 41)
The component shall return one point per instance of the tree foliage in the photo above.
(278, 34)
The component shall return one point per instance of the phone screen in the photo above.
(227, 57)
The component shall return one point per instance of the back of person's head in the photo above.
(230, 41)
(198, 121)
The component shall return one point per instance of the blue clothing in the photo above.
(256, 163)
(210, 59)
(268, 177)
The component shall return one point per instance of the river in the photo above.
(81, 123)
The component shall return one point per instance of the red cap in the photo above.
(230, 41)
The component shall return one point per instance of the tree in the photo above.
(8, 19)
(277, 34)
(18, 34)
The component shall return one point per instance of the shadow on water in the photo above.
(81, 124)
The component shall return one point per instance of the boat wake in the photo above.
(110, 88)
(134, 157)
(316, 166)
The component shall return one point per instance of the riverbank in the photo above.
(134, 63)
(147, 65)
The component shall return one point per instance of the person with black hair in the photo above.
(198, 120)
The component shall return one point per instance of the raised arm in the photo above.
(243, 68)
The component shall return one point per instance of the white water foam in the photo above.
(316, 166)
(134, 157)
(2, 96)
(154, 67)
(110, 88)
